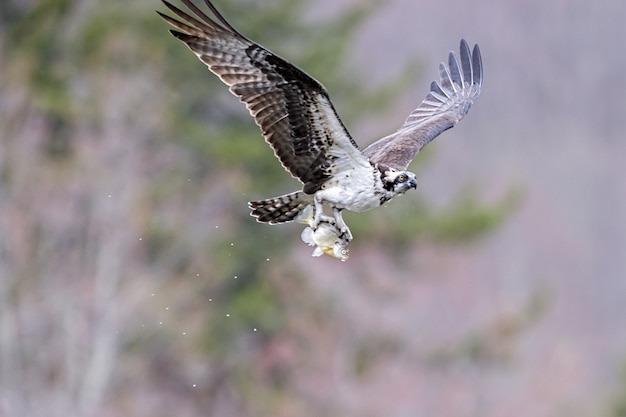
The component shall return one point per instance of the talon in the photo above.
(342, 226)
(328, 219)
(345, 234)
(322, 218)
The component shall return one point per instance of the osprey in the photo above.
(299, 122)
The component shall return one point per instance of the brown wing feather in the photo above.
(292, 109)
(446, 104)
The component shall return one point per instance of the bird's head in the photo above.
(398, 182)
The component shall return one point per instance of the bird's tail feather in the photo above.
(281, 209)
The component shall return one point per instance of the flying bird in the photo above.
(299, 122)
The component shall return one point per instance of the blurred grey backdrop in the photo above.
(133, 282)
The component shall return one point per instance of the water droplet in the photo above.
(227, 315)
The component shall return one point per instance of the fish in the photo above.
(327, 237)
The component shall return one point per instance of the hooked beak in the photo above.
(413, 183)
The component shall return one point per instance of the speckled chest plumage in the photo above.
(358, 189)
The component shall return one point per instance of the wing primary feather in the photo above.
(219, 17)
(292, 109)
(447, 102)
(446, 78)
(198, 24)
(180, 25)
(477, 64)
(436, 88)
(203, 16)
(441, 98)
(455, 71)
(466, 62)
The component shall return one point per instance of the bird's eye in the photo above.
(401, 178)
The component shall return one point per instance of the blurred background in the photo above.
(134, 282)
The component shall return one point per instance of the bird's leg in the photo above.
(341, 225)
(319, 214)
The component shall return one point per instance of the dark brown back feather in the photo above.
(292, 109)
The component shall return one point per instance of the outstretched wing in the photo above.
(292, 109)
(446, 104)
